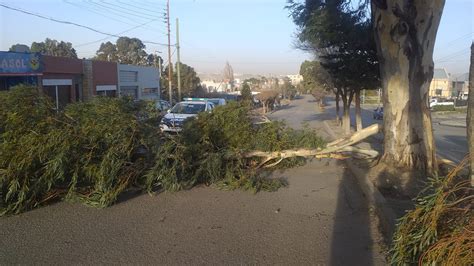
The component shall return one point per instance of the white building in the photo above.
(213, 85)
(295, 79)
(139, 82)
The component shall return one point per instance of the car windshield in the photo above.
(214, 101)
(188, 108)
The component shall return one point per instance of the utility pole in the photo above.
(470, 116)
(178, 71)
(170, 76)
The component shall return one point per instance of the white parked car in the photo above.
(173, 121)
(435, 102)
(162, 105)
(215, 101)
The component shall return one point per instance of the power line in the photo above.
(100, 11)
(91, 9)
(69, 23)
(452, 55)
(118, 10)
(103, 39)
(142, 9)
(96, 12)
(149, 4)
(458, 39)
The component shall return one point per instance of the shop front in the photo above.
(19, 68)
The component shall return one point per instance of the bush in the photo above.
(440, 230)
(442, 108)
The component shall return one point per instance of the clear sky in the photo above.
(255, 36)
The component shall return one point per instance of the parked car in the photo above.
(378, 113)
(215, 101)
(435, 102)
(162, 105)
(173, 121)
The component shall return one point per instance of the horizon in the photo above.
(212, 32)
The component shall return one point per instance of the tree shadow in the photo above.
(353, 240)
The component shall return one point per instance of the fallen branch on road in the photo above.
(338, 149)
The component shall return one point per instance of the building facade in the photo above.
(139, 82)
(68, 80)
(460, 86)
(440, 85)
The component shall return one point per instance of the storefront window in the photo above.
(129, 91)
(150, 90)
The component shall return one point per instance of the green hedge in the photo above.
(441, 108)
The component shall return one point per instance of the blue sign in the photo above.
(20, 63)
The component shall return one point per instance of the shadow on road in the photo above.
(352, 238)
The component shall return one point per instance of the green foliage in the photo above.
(315, 77)
(125, 51)
(190, 82)
(341, 37)
(54, 48)
(443, 108)
(94, 151)
(245, 92)
(440, 230)
(288, 90)
(211, 147)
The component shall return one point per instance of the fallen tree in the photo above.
(336, 149)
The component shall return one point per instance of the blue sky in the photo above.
(255, 36)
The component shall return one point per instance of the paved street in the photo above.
(451, 141)
(321, 218)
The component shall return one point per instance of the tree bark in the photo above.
(358, 111)
(470, 116)
(338, 109)
(346, 118)
(405, 34)
(334, 149)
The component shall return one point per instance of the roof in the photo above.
(440, 73)
(463, 77)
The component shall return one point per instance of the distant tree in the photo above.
(22, 48)
(314, 76)
(268, 99)
(288, 90)
(164, 84)
(54, 48)
(317, 81)
(154, 60)
(125, 51)
(107, 52)
(246, 93)
(343, 42)
(190, 82)
(229, 75)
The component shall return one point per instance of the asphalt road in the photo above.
(321, 218)
(451, 141)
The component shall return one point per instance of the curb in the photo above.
(375, 199)
(451, 125)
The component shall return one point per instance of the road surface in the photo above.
(451, 141)
(321, 218)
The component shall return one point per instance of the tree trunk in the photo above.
(346, 118)
(470, 116)
(358, 111)
(338, 109)
(405, 33)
